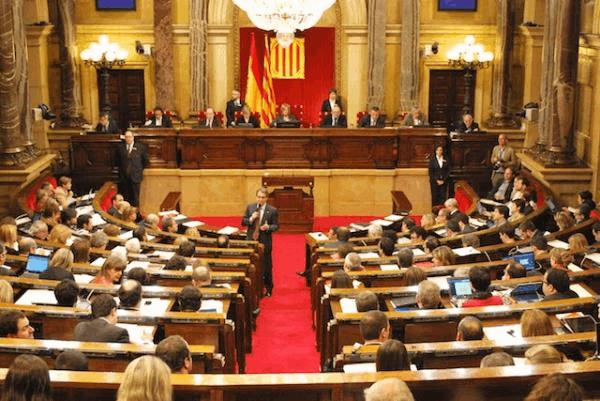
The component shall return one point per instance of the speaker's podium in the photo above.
(293, 198)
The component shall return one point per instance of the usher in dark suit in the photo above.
(111, 128)
(340, 123)
(100, 330)
(365, 122)
(231, 109)
(270, 217)
(326, 107)
(439, 193)
(131, 171)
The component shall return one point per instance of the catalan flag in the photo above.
(268, 108)
(254, 93)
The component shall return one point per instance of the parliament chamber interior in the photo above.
(327, 200)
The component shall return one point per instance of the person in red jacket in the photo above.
(480, 281)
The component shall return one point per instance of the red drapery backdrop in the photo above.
(319, 73)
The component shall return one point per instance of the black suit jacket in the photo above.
(365, 122)
(340, 123)
(216, 123)
(166, 122)
(99, 330)
(326, 106)
(252, 120)
(270, 217)
(56, 273)
(561, 295)
(436, 172)
(132, 165)
(112, 128)
(506, 194)
(462, 127)
(231, 109)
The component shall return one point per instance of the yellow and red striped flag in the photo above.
(268, 108)
(253, 90)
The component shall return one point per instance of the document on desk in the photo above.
(490, 202)
(171, 213)
(388, 268)
(85, 210)
(510, 332)
(476, 222)
(22, 220)
(393, 218)
(137, 263)
(441, 281)
(369, 255)
(180, 217)
(318, 236)
(574, 268)
(594, 257)
(97, 220)
(417, 252)
(403, 240)
(228, 230)
(556, 243)
(382, 223)
(155, 306)
(36, 297)
(126, 235)
(582, 292)
(83, 278)
(163, 255)
(348, 305)
(211, 305)
(98, 262)
(139, 334)
(193, 224)
(360, 367)
(466, 251)
(441, 232)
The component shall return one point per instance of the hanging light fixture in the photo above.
(284, 17)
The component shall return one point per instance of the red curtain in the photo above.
(319, 70)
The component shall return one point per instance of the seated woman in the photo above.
(284, 116)
(130, 214)
(443, 256)
(247, 118)
(8, 238)
(564, 220)
(63, 193)
(60, 266)
(391, 356)
(60, 234)
(111, 271)
(517, 210)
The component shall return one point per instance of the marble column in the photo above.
(70, 80)
(502, 63)
(163, 44)
(376, 37)
(15, 144)
(559, 148)
(547, 104)
(409, 62)
(198, 55)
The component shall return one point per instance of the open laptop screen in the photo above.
(37, 263)
(527, 260)
(459, 287)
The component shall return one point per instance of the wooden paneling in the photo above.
(470, 155)
(161, 145)
(94, 161)
(447, 96)
(126, 94)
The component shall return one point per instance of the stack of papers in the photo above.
(417, 252)
(360, 367)
(594, 257)
(574, 268)
(510, 332)
(369, 255)
(348, 305)
(97, 220)
(318, 236)
(126, 235)
(382, 223)
(490, 202)
(181, 217)
(83, 278)
(98, 262)
(137, 263)
(85, 210)
(393, 217)
(476, 222)
(193, 224)
(403, 240)
(582, 292)
(466, 251)
(441, 232)
(389, 267)
(556, 243)
(139, 334)
(168, 213)
(22, 220)
(33, 296)
(228, 230)
(164, 255)
(211, 305)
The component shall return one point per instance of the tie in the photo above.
(372, 122)
(209, 123)
(129, 149)
(256, 226)
(333, 122)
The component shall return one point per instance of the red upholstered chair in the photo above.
(594, 214)
(31, 194)
(359, 116)
(106, 201)
(466, 197)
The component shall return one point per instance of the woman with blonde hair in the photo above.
(535, 322)
(542, 354)
(60, 234)
(60, 266)
(428, 221)
(8, 238)
(6, 292)
(564, 220)
(130, 214)
(414, 275)
(192, 232)
(443, 256)
(146, 378)
(578, 243)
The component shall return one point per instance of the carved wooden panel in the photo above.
(470, 155)
(94, 161)
(161, 145)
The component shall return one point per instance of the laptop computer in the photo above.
(460, 289)
(527, 260)
(37, 263)
(528, 292)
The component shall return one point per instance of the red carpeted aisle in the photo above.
(284, 341)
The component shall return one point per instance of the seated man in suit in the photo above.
(190, 299)
(285, 116)
(428, 295)
(556, 285)
(107, 125)
(415, 118)
(335, 120)
(374, 327)
(130, 295)
(71, 360)
(201, 275)
(366, 301)
(373, 120)
(331, 101)
(115, 204)
(467, 125)
(469, 329)
(103, 328)
(234, 105)
(14, 324)
(247, 119)
(210, 120)
(175, 352)
(503, 189)
(159, 120)
(66, 293)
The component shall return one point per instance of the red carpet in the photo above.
(284, 341)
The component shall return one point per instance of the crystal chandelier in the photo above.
(284, 16)
(469, 55)
(103, 54)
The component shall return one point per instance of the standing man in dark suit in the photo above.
(107, 125)
(159, 120)
(262, 220)
(373, 120)
(331, 101)
(439, 173)
(103, 328)
(133, 157)
(234, 105)
(335, 120)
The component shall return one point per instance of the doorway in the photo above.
(447, 97)
(126, 94)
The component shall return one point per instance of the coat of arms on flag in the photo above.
(287, 63)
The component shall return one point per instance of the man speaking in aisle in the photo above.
(262, 220)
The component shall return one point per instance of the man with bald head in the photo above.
(201, 276)
(335, 119)
(130, 295)
(210, 120)
(133, 158)
(233, 106)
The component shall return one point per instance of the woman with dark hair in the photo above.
(391, 356)
(586, 197)
(439, 173)
(27, 380)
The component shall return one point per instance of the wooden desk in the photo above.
(294, 204)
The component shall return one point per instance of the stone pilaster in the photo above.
(376, 37)
(198, 55)
(163, 44)
(409, 63)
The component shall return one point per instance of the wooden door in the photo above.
(447, 96)
(126, 94)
